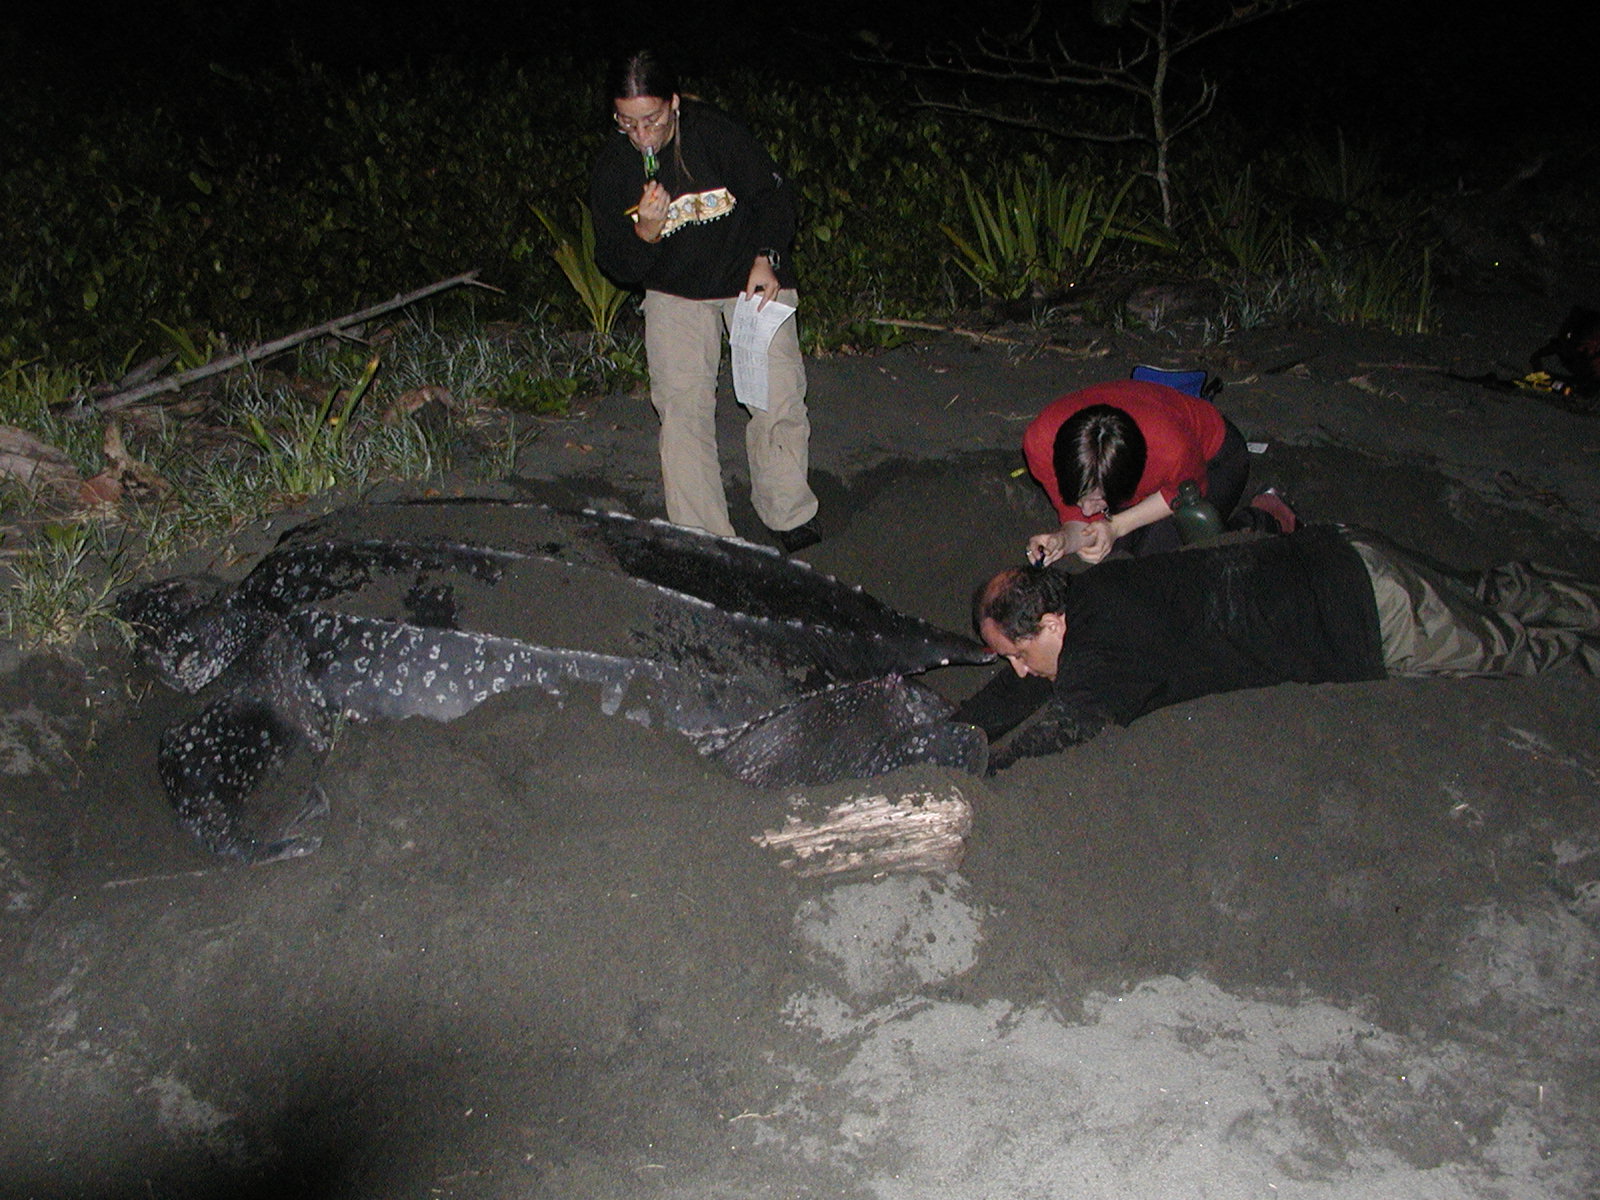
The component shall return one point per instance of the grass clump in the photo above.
(601, 299)
(310, 449)
(1036, 234)
(63, 585)
(1388, 286)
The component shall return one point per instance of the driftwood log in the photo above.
(36, 464)
(52, 478)
(874, 834)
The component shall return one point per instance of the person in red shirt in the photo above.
(1112, 456)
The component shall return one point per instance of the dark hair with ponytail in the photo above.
(1099, 447)
(645, 73)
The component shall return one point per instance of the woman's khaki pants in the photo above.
(683, 340)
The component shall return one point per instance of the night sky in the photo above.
(1502, 70)
(1461, 98)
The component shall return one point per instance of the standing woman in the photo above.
(1111, 458)
(688, 205)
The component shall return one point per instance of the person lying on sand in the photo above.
(1327, 604)
(1111, 458)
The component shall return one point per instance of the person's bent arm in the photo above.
(652, 215)
(1060, 724)
(624, 248)
(1046, 548)
(1003, 703)
(1148, 511)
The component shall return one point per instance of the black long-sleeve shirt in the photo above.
(729, 200)
(1145, 633)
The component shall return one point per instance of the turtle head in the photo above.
(187, 631)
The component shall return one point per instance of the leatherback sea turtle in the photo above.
(781, 673)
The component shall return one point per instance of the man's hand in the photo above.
(763, 280)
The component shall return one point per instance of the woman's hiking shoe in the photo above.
(801, 537)
(1271, 502)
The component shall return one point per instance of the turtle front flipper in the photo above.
(855, 731)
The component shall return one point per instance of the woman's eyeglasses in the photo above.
(648, 124)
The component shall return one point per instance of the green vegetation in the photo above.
(309, 453)
(601, 299)
(278, 445)
(1038, 235)
(169, 237)
(63, 584)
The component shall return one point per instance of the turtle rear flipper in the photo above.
(231, 773)
(295, 841)
(943, 743)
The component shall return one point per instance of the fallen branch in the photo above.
(1090, 351)
(173, 383)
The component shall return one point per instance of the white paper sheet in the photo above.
(750, 334)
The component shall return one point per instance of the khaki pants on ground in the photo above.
(1514, 619)
(683, 340)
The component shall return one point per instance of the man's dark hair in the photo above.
(1099, 447)
(641, 73)
(1017, 599)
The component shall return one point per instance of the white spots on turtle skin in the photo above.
(308, 661)
(406, 670)
(210, 767)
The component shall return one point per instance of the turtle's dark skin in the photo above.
(782, 673)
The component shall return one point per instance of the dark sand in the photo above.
(1309, 941)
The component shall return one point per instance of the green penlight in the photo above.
(651, 166)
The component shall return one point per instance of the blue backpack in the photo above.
(1195, 383)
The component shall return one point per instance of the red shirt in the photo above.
(1181, 433)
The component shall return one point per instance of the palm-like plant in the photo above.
(1037, 235)
(601, 298)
